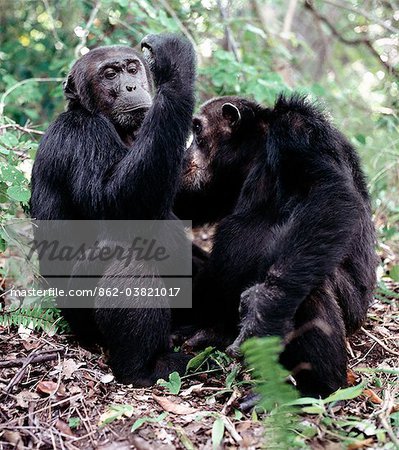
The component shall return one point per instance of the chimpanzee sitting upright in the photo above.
(295, 240)
(116, 154)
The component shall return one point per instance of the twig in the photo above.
(362, 12)
(21, 128)
(19, 375)
(58, 43)
(381, 343)
(386, 408)
(349, 348)
(231, 43)
(362, 41)
(235, 395)
(21, 83)
(261, 16)
(87, 421)
(85, 32)
(352, 366)
(35, 360)
(21, 418)
(389, 430)
(54, 393)
(289, 17)
(183, 28)
(231, 429)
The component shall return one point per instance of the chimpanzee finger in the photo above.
(249, 402)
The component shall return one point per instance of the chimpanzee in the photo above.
(116, 153)
(293, 252)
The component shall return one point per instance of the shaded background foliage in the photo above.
(344, 52)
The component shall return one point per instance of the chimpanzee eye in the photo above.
(110, 74)
(132, 68)
(197, 127)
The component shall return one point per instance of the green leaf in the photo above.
(3, 245)
(137, 424)
(19, 193)
(316, 409)
(308, 430)
(115, 412)
(217, 433)
(184, 439)
(199, 359)
(11, 174)
(74, 422)
(173, 385)
(394, 273)
(8, 140)
(345, 394)
(276, 395)
(231, 377)
(255, 30)
(361, 138)
(238, 415)
(3, 193)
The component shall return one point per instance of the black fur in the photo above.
(294, 248)
(100, 160)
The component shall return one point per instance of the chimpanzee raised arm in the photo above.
(116, 154)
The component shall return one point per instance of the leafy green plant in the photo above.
(227, 76)
(74, 422)
(318, 406)
(173, 386)
(276, 395)
(217, 433)
(15, 148)
(36, 318)
(199, 360)
(115, 412)
(142, 420)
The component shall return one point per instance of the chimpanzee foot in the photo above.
(234, 350)
(181, 334)
(249, 402)
(207, 337)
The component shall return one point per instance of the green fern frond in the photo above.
(37, 318)
(275, 393)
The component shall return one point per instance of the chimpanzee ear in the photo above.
(70, 88)
(232, 114)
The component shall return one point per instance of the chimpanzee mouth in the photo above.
(141, 106)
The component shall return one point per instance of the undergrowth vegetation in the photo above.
(343, 53)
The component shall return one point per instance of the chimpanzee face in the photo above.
(113, 81)
(222, 132)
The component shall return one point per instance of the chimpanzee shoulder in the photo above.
(293, 250)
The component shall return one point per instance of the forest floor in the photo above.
(56, 394)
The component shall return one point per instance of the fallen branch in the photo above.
(21, 361)
(53, 405)
(43, 356)
(381, 343)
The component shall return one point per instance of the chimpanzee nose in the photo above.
(130, 88)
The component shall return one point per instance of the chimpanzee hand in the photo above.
(250, 318)
(170, 58)
(259, 311)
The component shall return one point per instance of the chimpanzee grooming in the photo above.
(293, 253)
(116, 154)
